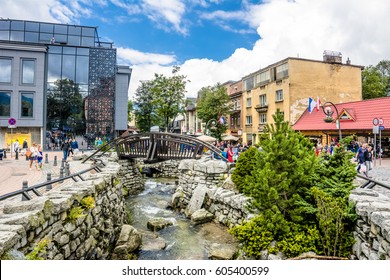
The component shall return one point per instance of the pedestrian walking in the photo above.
(368, 159)
(65, 149)
(25, 147)
(40, 157)
(16, 149)
(34, 155)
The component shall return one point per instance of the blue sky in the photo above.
(219, 40)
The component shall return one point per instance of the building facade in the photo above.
(234, 90)
(59, 80)
(287, 85)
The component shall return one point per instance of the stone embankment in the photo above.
(201, 186)
(372, 232)
(77, 221)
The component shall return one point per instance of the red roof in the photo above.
(358, 115)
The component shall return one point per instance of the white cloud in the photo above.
(134, 57)
(304, 28)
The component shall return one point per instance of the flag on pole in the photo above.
(318, 104)
(312, 105)
(221, 120)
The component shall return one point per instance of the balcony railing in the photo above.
(261, 108)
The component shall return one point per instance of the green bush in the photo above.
(245, 165)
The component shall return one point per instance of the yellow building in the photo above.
(288, 84)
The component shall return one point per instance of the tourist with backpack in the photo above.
(360, 157)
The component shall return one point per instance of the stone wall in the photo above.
(130, 177)
(70, 228)
(168, 168)
(206, 179)
(372, 233)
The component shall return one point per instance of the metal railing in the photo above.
(26, 190)
(370, 183)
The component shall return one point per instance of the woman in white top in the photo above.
(34, 155)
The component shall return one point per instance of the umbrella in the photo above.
(229, 138)
(206, 138)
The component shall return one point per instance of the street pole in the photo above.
(329, 118)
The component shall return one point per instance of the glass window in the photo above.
(74, 30)
(248, 83)
(69, 50)
(249, 102)
(82, 51)
(69, 67)
(88, 31)
(54, 67)
(55, 49)
(74, 40)
(279, 95)
(17, 25)
(4, 35)
(4, 25)
(47, 27)
(263, 100)
(28, 71)
(59, 38)
(282, 71)
(88, 42)
(6, 70)
(32, 26)
(82, 67)
(45, 37)
(60, 29)
(5, 104)
(263, 118)
(31, 37)
(17, 36)
(248, 120)
(27, 104)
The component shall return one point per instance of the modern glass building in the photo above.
(59, 80)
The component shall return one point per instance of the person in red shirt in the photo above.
(230, 154)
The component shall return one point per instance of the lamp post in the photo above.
(213, 123)
(329, 115)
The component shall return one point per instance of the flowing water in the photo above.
(183, 240)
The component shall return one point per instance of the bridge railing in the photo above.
(370, 183)
(25, 191)
(157, 146)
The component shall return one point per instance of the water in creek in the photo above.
(182, 240)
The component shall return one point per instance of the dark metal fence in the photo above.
(26, 191)
(370, 183)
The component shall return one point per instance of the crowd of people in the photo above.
(230, 151)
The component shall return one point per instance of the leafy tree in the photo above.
(376, 80)
(144, 107)
(213, 103)
(160, 100)
(372, 83)
(282, 175)
(130, 113)
(169, 96)
(246, 163)
(65, 106)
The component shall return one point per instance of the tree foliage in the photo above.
(130, 109)
(301, 200)
(65, 106)
(214, 103)
(159, 101)
(144, 107)
(376, 80)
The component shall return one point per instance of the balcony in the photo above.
(260, 127)
(261, 108)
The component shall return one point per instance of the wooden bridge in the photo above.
(158, 146)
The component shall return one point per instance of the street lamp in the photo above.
(213, 123)
(326, 108)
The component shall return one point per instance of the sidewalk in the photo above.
(13, 172)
